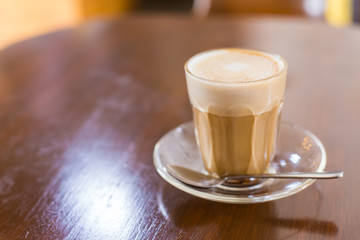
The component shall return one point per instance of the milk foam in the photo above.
(235, 82)
(234, 65)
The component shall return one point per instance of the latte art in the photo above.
(233, 65)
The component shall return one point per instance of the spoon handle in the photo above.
(309, 175)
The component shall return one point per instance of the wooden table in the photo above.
(81, 110)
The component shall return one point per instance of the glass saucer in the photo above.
(298, 150)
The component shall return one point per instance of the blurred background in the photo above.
(21, 19)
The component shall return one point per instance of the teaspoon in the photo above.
(201, 180)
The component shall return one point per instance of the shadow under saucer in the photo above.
(261, 221)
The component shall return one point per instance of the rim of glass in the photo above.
(282, 70)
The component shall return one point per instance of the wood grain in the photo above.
(81, 110)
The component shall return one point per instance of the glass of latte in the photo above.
(237, 98)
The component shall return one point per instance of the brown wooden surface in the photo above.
(81, 110)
